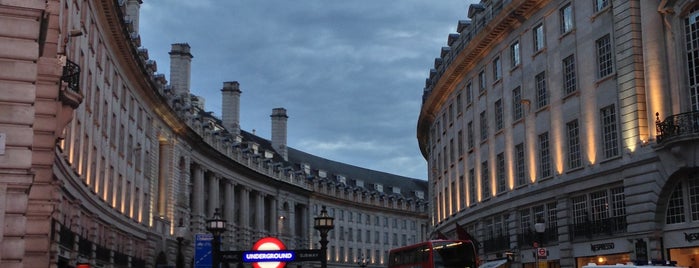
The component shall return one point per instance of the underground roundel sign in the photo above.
(268, 252)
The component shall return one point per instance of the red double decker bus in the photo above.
(435, 254)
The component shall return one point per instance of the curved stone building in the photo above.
(579, 117)
(103, 162)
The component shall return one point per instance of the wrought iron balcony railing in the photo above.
(601, 227)
(677, 125)
(498, 243)
(71, 75)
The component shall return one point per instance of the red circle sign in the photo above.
(267, 244)
(541, 252)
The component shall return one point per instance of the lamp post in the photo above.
(323, 223)
(180, 232)
(216, 226)
(540, 228)
(363, 262)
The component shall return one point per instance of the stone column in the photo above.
(213, 194)
(198, 196)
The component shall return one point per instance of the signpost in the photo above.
(202, 250)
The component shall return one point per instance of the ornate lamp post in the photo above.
(180, 232)
(540, 228)
(324, 223)
(216, 226)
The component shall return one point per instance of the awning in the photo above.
(493, 264)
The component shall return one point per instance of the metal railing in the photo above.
(71, 75)
(676, 125)
(601, 227)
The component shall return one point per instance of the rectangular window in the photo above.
(600, 4)
(544, 156)
(485, 180)
(462, 191)
(469, 92)
(514, 54)
(574, 156)
(520, 165)
(497, 69)
(472, 186)
(517, 112)
(484, 126)
(498, 114)
(566, 13)
(469, 129)
(459, 105)
(452, 155)
(604, 57)
(482, 83)
(538, 33)
(500, 171)
(542, 98)
(610, 137)
(451, 114)
(460, 143)
(569, 76)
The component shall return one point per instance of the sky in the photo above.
(350, 73)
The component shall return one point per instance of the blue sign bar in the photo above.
(269, 256)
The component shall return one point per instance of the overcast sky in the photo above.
(350, 73)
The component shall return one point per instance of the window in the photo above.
(451, 114)
(462, 191)
(472, 186)
(500, 172)
(692, 46)
(481, 82)
(485, 180)
(484, 126)
(604, 57)
(610, 137)
(497, 69)
(566, 13)
(515, 58)
(544, 156)
(459, 105)
(520, 165)
(569, 77)
(542, 98)
(469, 129)
(600, 5)
(517, 112)
(469, 92)
(538, 33)
(498, 114)
(460, 142)
(452, 155)
(574, 156)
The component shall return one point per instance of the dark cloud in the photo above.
(349, 73)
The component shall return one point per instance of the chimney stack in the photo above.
(133, 9)
(279, 119)
(231, 107)
(180, 68)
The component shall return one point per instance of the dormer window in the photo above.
(396, 190)
(379, 187)
(360, 183)
(420, 194)
(322, 173)
(341, 179)
(306, 168)
(269, 154)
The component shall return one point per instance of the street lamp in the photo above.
(216, 226)
(180, 232)
(363, 262)
(540, 228)
(323, 223)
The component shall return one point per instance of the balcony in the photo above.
(498, 243)
(676, 126)
(600, 227)
(71, 75)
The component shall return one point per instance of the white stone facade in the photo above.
(545, 111)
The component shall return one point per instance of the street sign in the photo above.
(202, 250)
(308, 255)
(269, 244)
(541, 252)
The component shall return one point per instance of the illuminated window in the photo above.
(574, 155)
(610, 137)
(542, 97)
(538, 33)
(566, 13)
(517, 112)
(498, 114)
(515, 58)
(692, 46)
(485, 180)
(604, 57)
(569, 76)
(544, 156)
(520, 167)
(500, 173)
